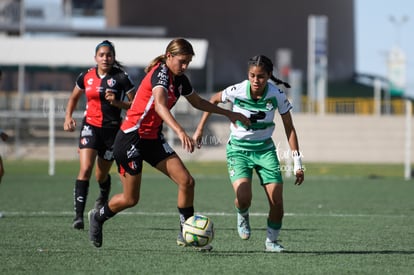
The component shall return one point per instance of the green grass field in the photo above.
(345, 219)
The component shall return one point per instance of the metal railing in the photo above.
(357, 105)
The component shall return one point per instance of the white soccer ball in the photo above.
(198, 230)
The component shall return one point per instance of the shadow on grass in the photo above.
(354, 252)
(216, 253)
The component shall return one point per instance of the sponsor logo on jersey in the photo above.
(132, 152)
(90, 81)
(86, 131)
(162, 83)
(163, 76)
(257, 115)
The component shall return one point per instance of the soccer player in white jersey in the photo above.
(252, 148)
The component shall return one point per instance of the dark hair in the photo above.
(111, 46)
(266, 63)
(178, 46)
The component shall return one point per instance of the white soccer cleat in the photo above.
(243, 226)
(273, 247)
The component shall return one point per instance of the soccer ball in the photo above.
(198, 230)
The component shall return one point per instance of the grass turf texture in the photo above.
(345, 219)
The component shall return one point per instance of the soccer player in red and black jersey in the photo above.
(4, 137)
(140, 138)
(105, 87)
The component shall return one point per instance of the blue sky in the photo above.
(376, 34)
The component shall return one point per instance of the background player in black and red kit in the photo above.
(4, 137)
(140, 137)
(105, 87)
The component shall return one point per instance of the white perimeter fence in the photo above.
(37, 133)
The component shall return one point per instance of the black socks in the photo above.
(104, 213)
(105, 187)
(185, 213)
(80, 193)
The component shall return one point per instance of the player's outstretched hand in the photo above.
(300, 177)
(234, 117)
(197, 138)
(186, 142)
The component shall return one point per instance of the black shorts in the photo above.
(100, 139)
(130, 150)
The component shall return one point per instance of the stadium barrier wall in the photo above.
(323, 138)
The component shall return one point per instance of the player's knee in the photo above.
(187, 184)
(101, 178)
(85, 172)
(278, 204)
(244, 198)
(131, 201)
(191, 182)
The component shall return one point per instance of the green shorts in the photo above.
(240, 164)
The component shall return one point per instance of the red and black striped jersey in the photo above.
(99, 112)
(141, 115)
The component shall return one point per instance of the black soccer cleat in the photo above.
(78, 223)
(100, 202)
(95, 229)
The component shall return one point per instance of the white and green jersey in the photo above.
(261, 113)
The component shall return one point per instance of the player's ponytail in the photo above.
(178, 46)
(279, 81)
(155, 61)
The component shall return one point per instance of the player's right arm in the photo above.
(70, 123)
(160, 104)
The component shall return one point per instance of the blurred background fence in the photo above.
(349, 131)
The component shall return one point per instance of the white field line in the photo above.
(212, 214)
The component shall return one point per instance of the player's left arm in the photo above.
(197, 136)
(204, 105)
(294, 146)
